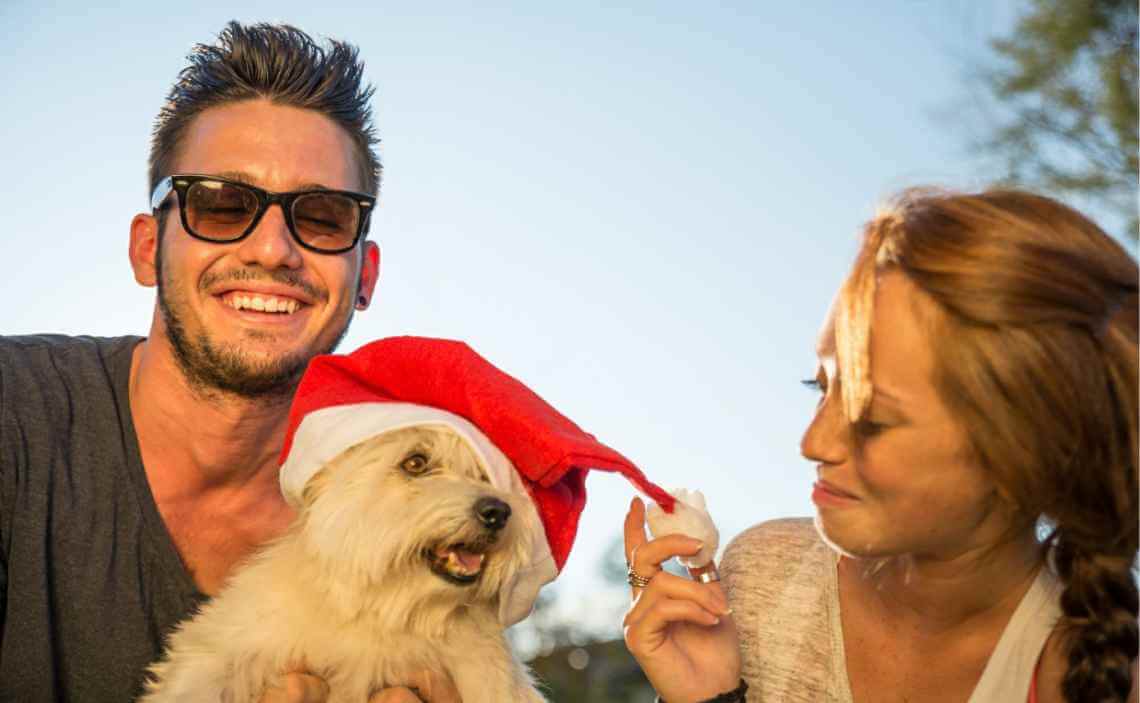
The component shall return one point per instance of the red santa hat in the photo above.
(524, 444)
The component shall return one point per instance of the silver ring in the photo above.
(708, 575)
(635, 579)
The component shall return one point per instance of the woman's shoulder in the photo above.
(774, 537)
(778, 576)
(773, 551)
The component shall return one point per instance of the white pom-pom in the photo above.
(689, 518)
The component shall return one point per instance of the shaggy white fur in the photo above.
(379, 576)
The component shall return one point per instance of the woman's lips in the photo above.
(824, 493)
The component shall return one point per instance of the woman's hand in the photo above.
(680, 631)
(424, 687)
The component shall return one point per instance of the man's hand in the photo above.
(396, 695)
(424, 687)
(297, 687)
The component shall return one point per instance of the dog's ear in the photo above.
(316, 486)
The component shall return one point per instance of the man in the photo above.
(136, 473)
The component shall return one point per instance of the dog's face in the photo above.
(414, 508)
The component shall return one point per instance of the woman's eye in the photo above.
(816, 386)
(867, 428)
(415, 464)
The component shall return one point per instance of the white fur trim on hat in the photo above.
(323, 434)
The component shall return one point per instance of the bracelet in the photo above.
(736, 695)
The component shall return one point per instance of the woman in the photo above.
(978, 379)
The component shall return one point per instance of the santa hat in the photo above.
(525, 445)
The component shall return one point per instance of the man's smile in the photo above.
(247, 300)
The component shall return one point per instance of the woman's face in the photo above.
(901, 480)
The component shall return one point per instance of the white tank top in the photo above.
(1009, 672)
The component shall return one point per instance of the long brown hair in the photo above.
(1036, 355)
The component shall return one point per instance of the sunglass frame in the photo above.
(180, 183)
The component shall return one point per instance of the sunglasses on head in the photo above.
(218, 209)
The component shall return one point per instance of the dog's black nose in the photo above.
(492, 512)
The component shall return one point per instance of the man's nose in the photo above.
(271, 244)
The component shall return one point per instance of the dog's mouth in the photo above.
(458, 563)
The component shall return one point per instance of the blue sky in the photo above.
(641, 211)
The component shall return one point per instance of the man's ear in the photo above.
(369, 273)
(144, 249)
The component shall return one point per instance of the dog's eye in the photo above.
(415, 464)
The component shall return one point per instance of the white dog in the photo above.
(395, 564)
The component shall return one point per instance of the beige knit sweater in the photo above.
(783, 589)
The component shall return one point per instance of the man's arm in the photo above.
(5, 513)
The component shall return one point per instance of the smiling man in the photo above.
(135, 474)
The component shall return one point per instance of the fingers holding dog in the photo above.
(297, 687)
(422, 687)
(399, 694)
(435, 687)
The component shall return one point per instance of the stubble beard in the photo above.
(213, 368)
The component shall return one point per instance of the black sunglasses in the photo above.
(220, 210)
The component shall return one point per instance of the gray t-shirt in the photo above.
(90, 580)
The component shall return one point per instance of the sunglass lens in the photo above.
(326, 221)
(218, 210)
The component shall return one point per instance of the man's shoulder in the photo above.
(59, 351)
(51, 365)
(54, 343)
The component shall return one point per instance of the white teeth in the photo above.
(277, 305)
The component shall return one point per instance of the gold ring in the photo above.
(635, 579)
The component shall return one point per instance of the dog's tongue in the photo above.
(471, 561)
(468, 562)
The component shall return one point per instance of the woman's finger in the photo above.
(634, 528)
(666, 586)
(650, 555)
(645, 557)
(644, 631)
(635, 540)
